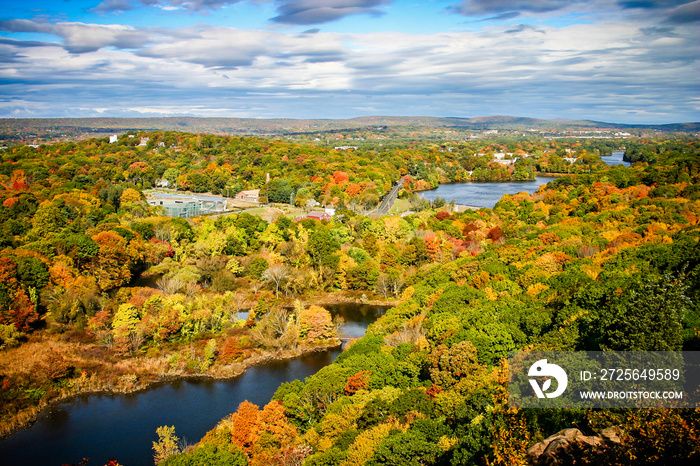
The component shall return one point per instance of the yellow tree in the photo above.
(166, 446)
(129, 196)
(111, 267)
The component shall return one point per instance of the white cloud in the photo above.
(586, 70)
(81, 37)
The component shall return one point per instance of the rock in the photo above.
(560, 448)
(612, 434)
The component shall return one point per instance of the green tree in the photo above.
(209, 455)
(48, 220)
(171, 175)
(258, 266)
(635, 314)
(321, 246)
(406, 449)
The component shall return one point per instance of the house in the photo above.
(506, 162)
(318, 215)
(113, 138)
(162, 183)
(144, 142)
(249, 196)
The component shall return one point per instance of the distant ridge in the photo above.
(16, 129)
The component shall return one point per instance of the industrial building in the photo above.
(187, 205)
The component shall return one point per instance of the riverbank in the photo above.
(347, 297)
(143, 377)
(51, 368)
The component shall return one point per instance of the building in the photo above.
(252, 195)
(183, 205)
(113, 138)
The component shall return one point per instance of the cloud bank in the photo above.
(615, 69)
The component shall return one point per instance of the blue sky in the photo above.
(616, 61)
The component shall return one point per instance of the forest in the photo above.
(602, 258)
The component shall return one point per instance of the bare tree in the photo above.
(136, 339)
(237, 302)
(277, 329)
(192, 289)
(383, 285)
(397, 283)
(169, 285)
(411, 332)
(276, 274)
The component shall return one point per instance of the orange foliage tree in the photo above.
(359, 381)
(264, 435)
(15, 306)
(243, 426)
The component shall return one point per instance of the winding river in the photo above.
(100, 427)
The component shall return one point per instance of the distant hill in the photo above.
(51, 129)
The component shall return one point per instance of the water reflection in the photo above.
(482, 194)
(615, 159)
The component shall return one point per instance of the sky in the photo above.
(618, 61)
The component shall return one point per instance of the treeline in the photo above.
(227, 165)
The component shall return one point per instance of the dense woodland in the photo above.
(603, 258)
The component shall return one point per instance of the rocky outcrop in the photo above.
(560, 448)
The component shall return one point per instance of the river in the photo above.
(615, 159)
(123, 427)
(482, 194)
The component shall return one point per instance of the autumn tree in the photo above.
(316, 324)
(16, 307)
(166, 446)
(129, 196)
(244, 426)
(112, 267)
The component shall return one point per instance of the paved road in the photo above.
(388, 200)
